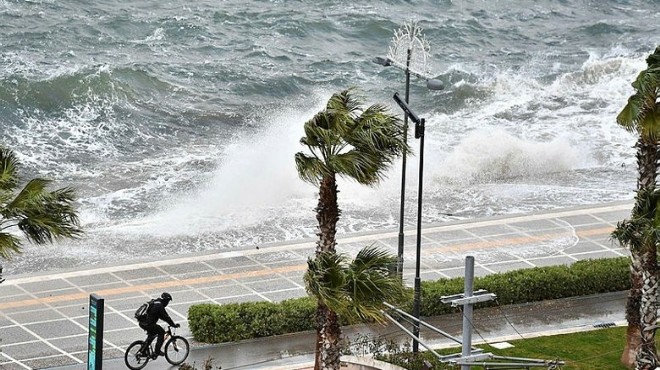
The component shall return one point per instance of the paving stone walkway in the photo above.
(44, 317)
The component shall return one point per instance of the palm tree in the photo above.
(641, 115)
(354, 291)
(642, 233)
(40, 215)
(346, 140)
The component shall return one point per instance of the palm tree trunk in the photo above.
(647, 165)
(328, 336)
(647, 357)
(633, 313)
(327, 214)
(328, 331)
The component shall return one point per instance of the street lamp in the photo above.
(409, 37)
(419, 134)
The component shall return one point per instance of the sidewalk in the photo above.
(44, 317)
(492, 325)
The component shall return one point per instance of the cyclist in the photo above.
(157, 312)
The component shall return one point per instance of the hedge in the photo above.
(213, 323)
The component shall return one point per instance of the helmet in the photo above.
(166, 296)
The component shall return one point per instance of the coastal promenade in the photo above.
(43, 317)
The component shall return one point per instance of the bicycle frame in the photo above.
(139, 353)
(150, 350)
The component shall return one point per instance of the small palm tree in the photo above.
(354, 291)
(641, 115)
(40, 215)
(346, 140)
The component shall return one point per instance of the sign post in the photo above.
(95, 338)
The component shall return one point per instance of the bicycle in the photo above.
(138, 354)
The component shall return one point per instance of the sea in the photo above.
(177, 122)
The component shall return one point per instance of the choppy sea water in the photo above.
(178, 121)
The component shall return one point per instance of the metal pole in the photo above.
(399, 259)
(467, 310)
(419, 133)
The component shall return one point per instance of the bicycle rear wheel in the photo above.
(176, 350)
(133, 358)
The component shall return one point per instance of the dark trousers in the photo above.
(154, 330)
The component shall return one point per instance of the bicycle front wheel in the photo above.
(176, 350)
(133, 358)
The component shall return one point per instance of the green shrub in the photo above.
(297, 314)
(214, 323)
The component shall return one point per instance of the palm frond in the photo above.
(640, 114)
(643, 228)
(356, 290)
(365, 168)
(347, 102)
(8, 170)
(632, 113)
(352, 143)
(30, 196)
(380, 131)
(653, 60)
(370, 283)
(324, 279)
(310, 169)
(53, 218)
(9, 244)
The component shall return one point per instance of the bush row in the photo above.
(213, 323)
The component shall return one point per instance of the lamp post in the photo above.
(419, 134)
(410, 37)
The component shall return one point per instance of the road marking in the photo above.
(14, 361)
(486, 244)
(150, 286)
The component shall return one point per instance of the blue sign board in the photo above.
(95, 338)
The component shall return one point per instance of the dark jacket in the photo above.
(157, 312)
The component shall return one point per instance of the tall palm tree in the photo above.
(642, 233)
(641, 115)
(39, 214)
(346, 140)
(354, 291)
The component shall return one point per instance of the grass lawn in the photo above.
(597, 349)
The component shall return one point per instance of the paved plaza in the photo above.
(43, 317)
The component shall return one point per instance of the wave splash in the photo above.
(493, 156)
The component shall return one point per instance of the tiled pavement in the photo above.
(43, 318)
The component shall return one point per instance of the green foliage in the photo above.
(535, 284)
(41, 215)
(350, 141)
(355, 290)
(595, 349)
(214, 323)
(641, 114)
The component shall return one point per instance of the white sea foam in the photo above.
(489, 156)
(256, 180)
(525, 127)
